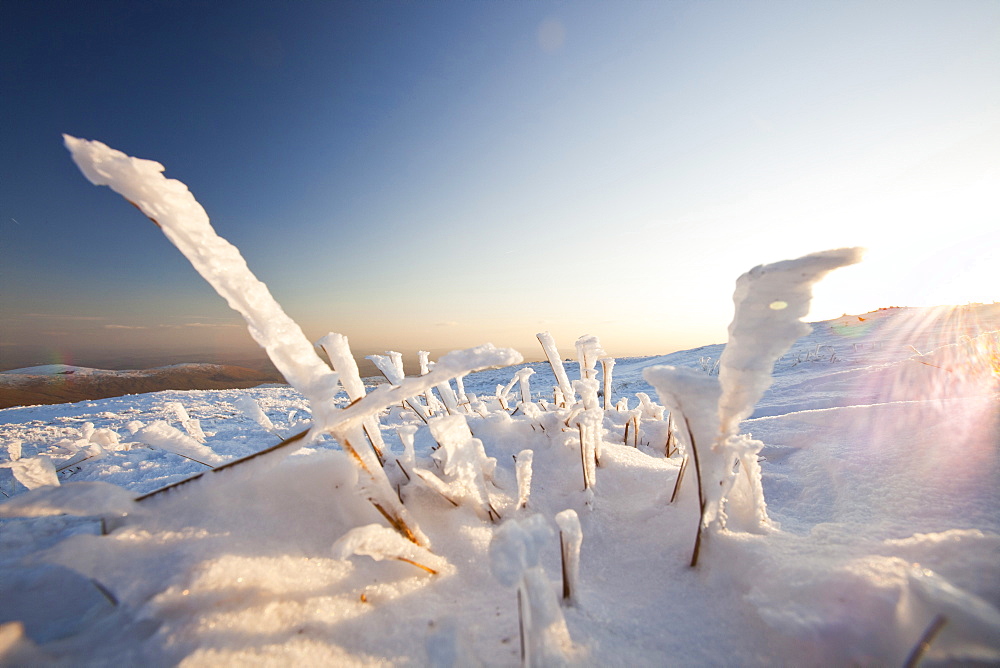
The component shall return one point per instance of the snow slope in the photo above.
(880, 466)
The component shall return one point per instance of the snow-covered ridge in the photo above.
(56, 369)
(68, 369)
(61, 383)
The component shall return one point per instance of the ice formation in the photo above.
(770, 302)
(522, 471)
(570, 540)
(566, 395)
(173, 208)
(165, 437)
(515, 562)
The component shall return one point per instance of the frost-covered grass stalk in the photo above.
(515, 561)
(522, 377)
(433, 405)
(173, 208)
(169, 204)
(670, 449)
(390, 365)
(607, 364)
(588, 351)
(522, 471)
(570, 539)
(250, 408)
(163, 436)
(464, 463)
(565, 395)
(770, 302)
(339, 351)
(192, 427)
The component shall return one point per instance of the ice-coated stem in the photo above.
(549, 346)
(588, 350)
(339, 351)
(424, 357)
(375, 485)
(514, 560)
(607, 364)
(522, 376)
(460, 384)
(390, 365)
(170, 204)
(770, 302)
(570, 539)
(522, 470)
(406, 432)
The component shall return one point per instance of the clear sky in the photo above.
(433, 175)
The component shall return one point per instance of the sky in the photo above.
(437, 175)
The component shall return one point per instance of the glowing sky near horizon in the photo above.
(438, 175)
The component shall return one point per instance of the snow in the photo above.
(876, 448)
(869, 491)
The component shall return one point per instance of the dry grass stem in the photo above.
(236, 462)
(418, 565)
(680, 477)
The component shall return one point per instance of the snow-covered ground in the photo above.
(841, 510)
(879, 467)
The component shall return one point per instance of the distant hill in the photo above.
(60, 383)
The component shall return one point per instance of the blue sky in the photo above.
(439, 174)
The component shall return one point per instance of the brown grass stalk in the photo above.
(228, 465)
(567, 593)
(418, 565)
(701, 495)
(680, 476)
